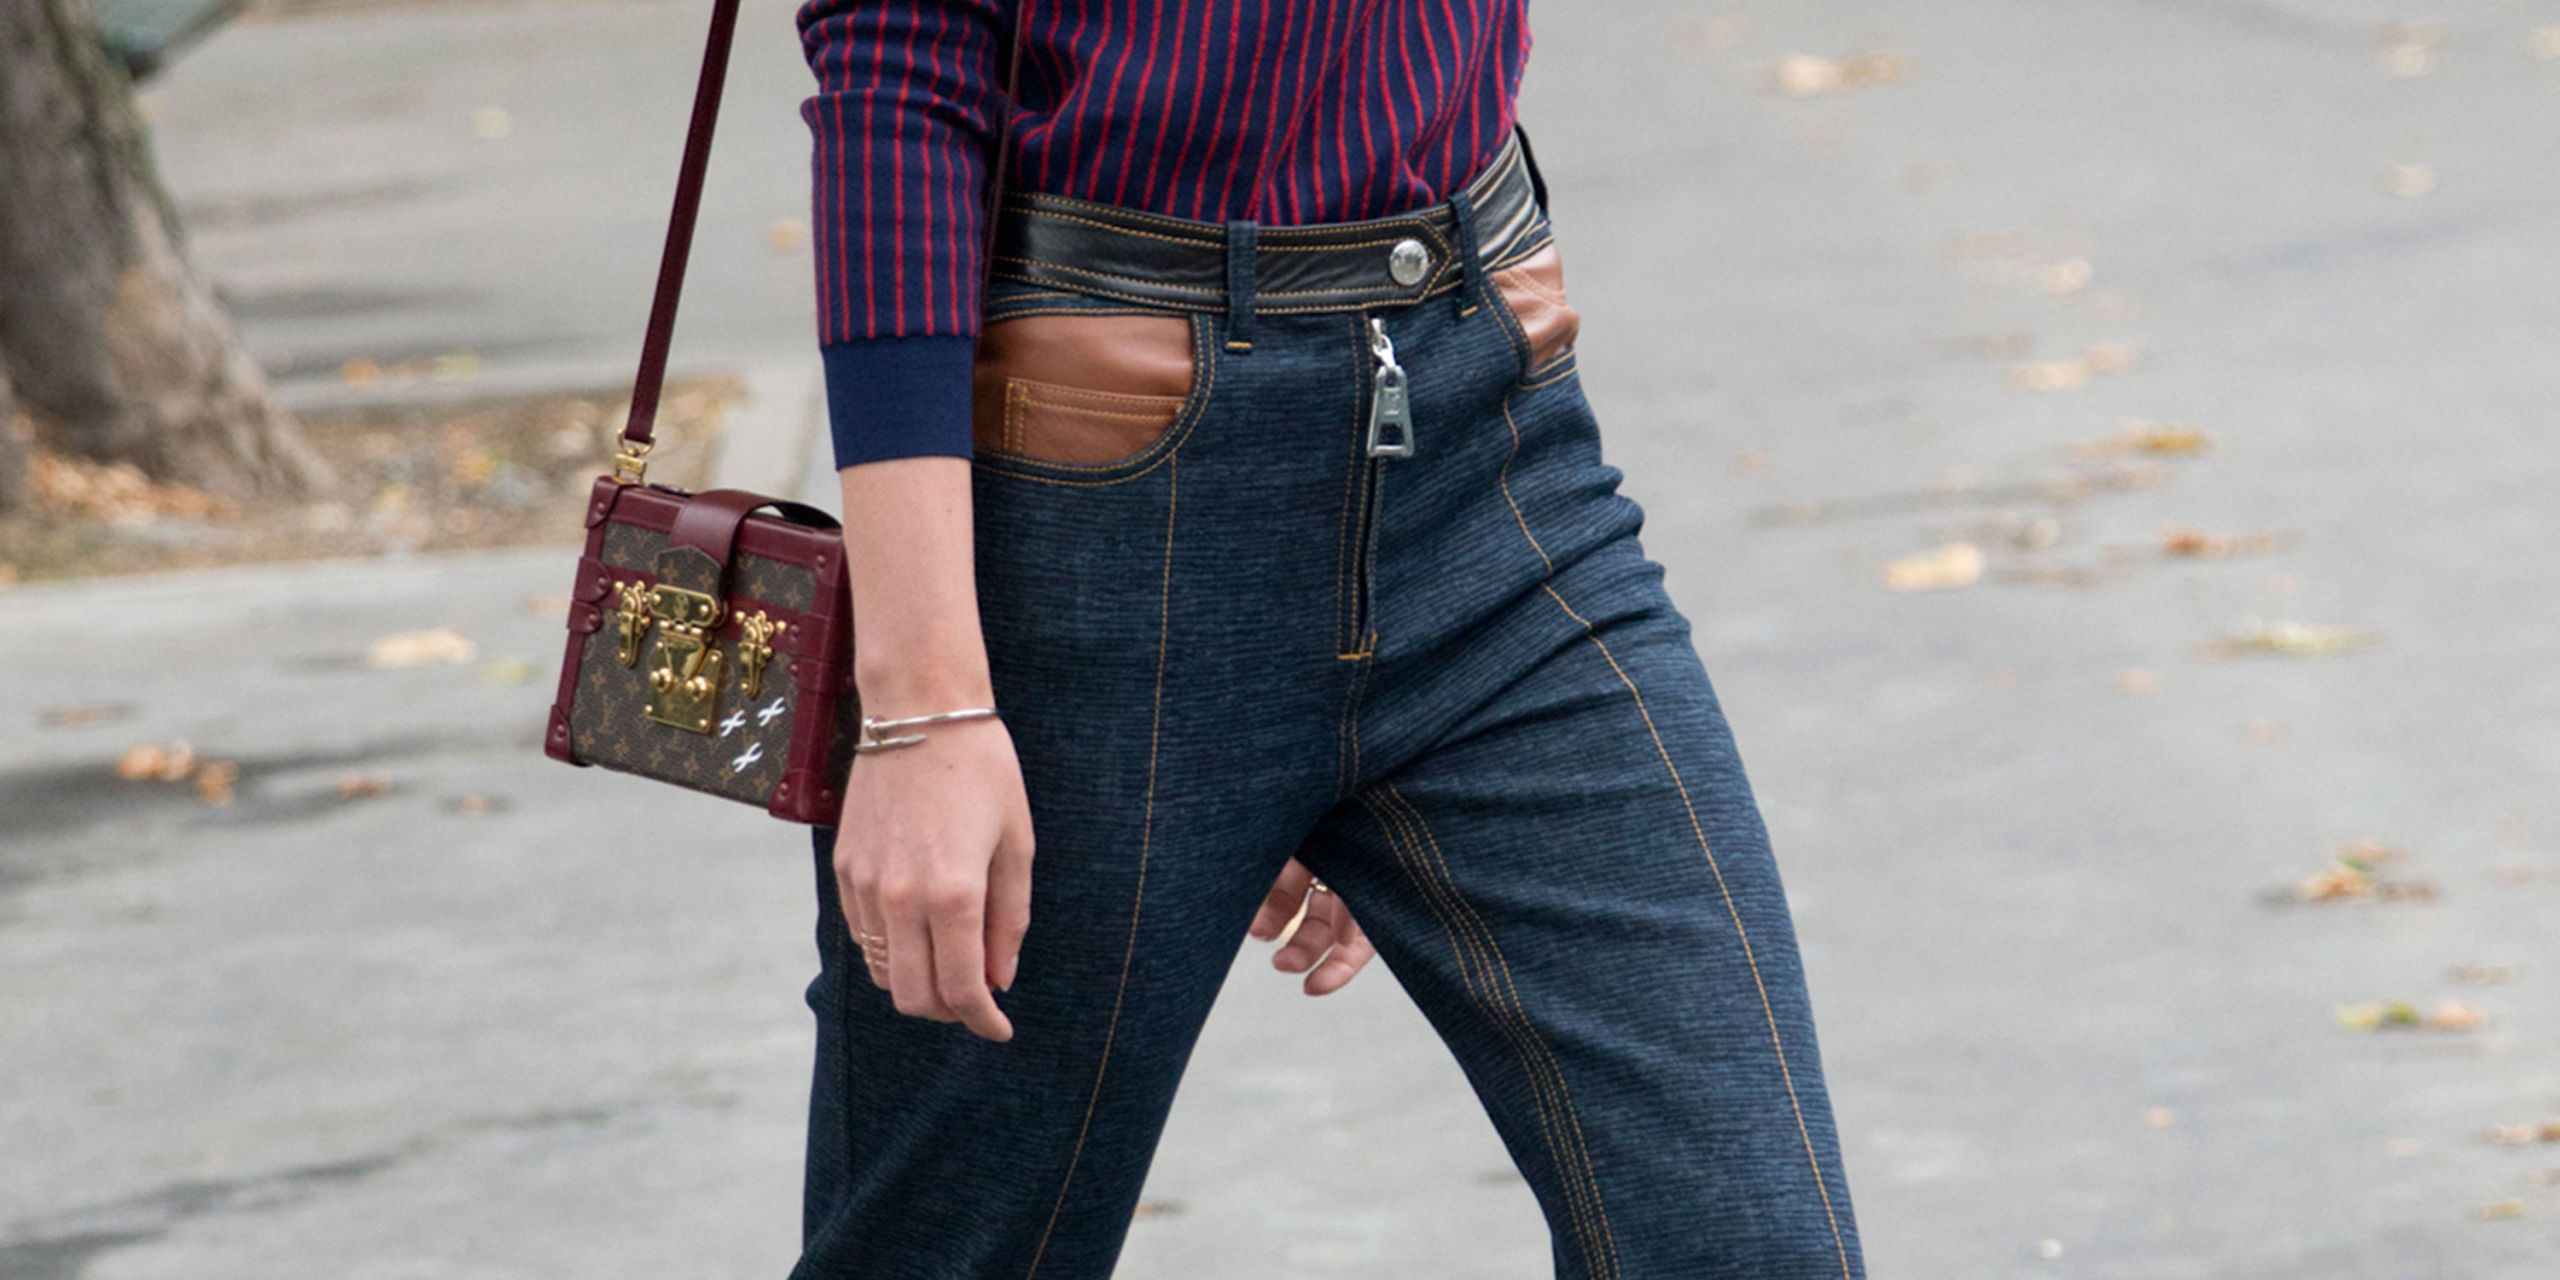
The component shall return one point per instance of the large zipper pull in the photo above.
(1390, 412)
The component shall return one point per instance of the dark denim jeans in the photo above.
(1452, 684)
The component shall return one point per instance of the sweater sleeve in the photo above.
(903, 126)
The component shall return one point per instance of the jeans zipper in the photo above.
(1390, 435)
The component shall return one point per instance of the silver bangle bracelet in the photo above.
(873, 726)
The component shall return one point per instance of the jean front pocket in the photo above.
(1086, 392)
(1543, 322)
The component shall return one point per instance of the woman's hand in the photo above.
(1327, 933)
(933, 855)
(933, 862)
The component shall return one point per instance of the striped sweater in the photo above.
(1278, 111)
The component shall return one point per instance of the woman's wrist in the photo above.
(916, 681)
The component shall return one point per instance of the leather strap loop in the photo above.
(708, 522)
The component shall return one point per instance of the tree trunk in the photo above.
(13, 451)
(117, 347)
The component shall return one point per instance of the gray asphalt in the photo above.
(2068, 1035)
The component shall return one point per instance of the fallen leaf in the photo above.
(82, 714)
(2375, 1015)
(2409, 180)
(787, 235)
(491, 124)
(476, 805)
(2409, 48)
(156, 762)
(2289, 639)
(215, 782)
(2543, 1178)
(361, 786)
(2137, 680)
(2152, 437)
(2480, 974)
(2455, 1016)
(2542, 44)
(2196, 544)
(440, 646)
(2049, 375)
(1946, 568)
(1806, 75)
(2497, 1210)
(2524, 1135)
(2158, 1118)
(2071, 275)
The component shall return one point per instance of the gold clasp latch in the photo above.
(631, 464)
(686, 681)
(631, 620)
(755, 650)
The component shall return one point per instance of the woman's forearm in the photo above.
(911, 560)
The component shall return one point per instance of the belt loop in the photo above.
(1240, 242)
(1462, 210)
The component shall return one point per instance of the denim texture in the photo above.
(1453, 685)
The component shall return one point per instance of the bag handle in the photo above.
(631, 464)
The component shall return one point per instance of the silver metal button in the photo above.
(1408, 262)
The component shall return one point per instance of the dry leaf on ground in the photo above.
(217, 782)
(2497, 1210)
(440, 646)
(1806, 75)
(361, 786)
(2290, 639)
(2525, 1134)
(82, 714)
(2479, 973)
(157, 762)
(2196, 544)
(1945, 568)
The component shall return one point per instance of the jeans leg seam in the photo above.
(1433, 890)
(1138, 894)
(1592, 1217)
(1733, 912)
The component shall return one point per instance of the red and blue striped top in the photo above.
(1278, 111)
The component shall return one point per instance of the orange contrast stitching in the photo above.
(1510, 1018)
(1138, 898)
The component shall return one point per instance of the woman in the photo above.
(1255, 490)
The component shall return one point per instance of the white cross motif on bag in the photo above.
(754, 752)
(737, 720)
(770, 714)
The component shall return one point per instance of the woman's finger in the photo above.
(957, 913)
(1278, 906)
(1352, 952)
(911, 971)
(1008, 905)
(862, 916)
(1313, 938)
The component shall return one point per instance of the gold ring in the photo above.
(1318, 886)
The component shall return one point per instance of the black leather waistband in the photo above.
(1112, 252)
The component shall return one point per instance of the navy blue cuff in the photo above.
(899, 398)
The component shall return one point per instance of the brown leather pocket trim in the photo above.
(1081, 389)
(1534, 290)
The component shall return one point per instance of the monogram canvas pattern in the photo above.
(744, 755)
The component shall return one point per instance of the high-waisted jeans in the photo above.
(1449, 682)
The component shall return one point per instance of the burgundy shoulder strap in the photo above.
(645, 389)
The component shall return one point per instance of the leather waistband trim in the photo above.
(1111, 252)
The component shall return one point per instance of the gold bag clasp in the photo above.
(685, 684)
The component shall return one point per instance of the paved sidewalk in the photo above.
(2029, 825)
